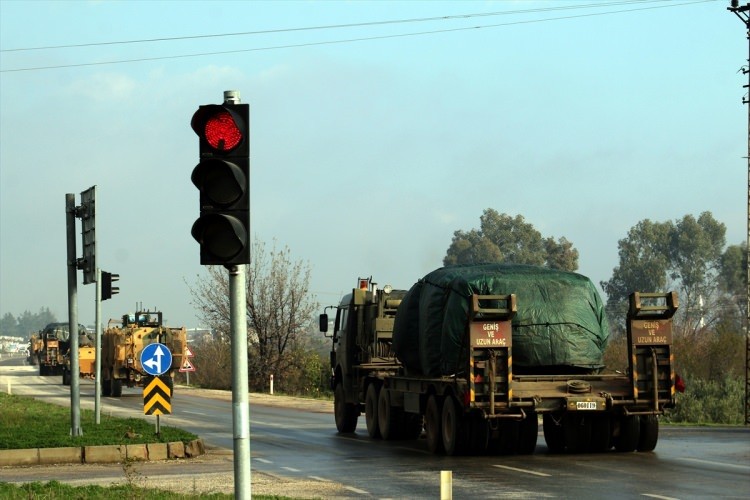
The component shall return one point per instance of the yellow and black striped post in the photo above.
(157, 397)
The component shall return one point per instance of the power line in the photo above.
(335, 26)
(352, 40)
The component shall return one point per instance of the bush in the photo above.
(710, 402)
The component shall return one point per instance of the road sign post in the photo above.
(156, 359)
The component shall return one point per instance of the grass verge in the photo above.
(51, 427)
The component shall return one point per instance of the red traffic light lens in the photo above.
(221, 132)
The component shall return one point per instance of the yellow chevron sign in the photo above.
(157, 398)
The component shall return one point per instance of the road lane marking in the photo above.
(290, 469)
(356, 490)
(660, 497)
(318, 478)
(196, 413)
(263, 460)
(720, 464)
(524, 471)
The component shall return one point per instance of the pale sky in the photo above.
(371, 143)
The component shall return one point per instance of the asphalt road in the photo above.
(296, 439)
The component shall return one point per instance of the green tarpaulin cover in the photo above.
(560, 326)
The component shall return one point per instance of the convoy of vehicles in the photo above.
(479, 355)
(122, 344)
(48, 347)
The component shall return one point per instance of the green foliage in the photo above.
(52, 427)
(684, 255)
(54, 490)
(710, 402)
(505, 239)
(25, 324)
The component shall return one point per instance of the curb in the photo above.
(102, 454)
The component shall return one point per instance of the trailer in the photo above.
(465, 394)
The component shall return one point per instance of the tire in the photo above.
(116, 387)
(432, 420)
(371, 411)
(577, 432)
(601, 434)
(388, 417)
(507, 442)
(412, 425)
(106, 387)
(649, 433)
(527, 434)
(478, 433)
(628, 433)
(553, 433)
(66, 376)
(170, 385)
(452, 428)
(345, 413)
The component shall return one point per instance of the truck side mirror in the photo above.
(324, 323)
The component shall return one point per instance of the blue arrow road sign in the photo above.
(156, 359)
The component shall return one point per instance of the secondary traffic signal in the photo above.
(223, 178)
(107, 289)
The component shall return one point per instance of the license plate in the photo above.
(585, 405)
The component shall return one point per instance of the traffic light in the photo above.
(107, 289)
(223, 178)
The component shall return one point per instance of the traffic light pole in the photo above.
(240, 402)
(75, 395)
(98, 347)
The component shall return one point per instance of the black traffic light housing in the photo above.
(223, 178)
(107, 289)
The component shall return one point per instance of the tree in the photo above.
(26, 323)
(506, 239)
(280, 311)
(733, 277)
(684, 255)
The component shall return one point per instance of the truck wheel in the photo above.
(649, 433)
(106, 387)
(506, 443)
(66, 377)
(553, 432)
(453, 439)
(344, 413)
(577, 433)
(116, 387)
(389, 417)
(412, 425)
(628, 433)
(478, 434)
(527, 434)
(432, 420)
(601, 434)
(371, 411)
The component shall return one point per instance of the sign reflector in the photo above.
(157, 398)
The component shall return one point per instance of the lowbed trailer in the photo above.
(484, 405)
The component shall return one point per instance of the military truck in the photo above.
(86, 359)
(122, 344)
(478, 355)
(49, 347)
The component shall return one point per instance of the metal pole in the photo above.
(240, 403)
(75, 399)
(446, 485)
(98, 347)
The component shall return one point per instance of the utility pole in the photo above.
(743, 13)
